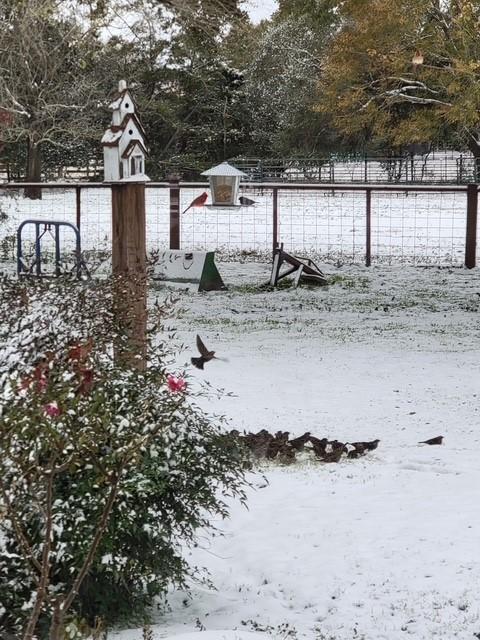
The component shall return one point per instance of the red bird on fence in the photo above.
(199, 201)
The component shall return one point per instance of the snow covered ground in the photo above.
(381, 548)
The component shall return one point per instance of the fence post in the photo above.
(471, 231)
(129, 269)
(78, 196)
(174, 181)
(368, 227)
(275, 218)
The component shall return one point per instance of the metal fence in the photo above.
(364, 224)
(432, 169)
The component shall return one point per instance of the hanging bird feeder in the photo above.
(224, 184)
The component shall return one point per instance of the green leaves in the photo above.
(135, 470)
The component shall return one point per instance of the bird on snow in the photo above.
(436, 440)
(333, 456)
(299, 443)
(199, 201)
(318, 445)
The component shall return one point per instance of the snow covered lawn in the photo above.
(384, 547)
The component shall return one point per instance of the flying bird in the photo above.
(437, 440)
(199, 201)
(205, 355)
(246, 202)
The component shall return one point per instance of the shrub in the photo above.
(106, 470)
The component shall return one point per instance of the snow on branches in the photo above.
(98, 461)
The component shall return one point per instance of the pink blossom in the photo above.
(176, 385)
(52, 409)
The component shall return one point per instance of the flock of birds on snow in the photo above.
(280, 447)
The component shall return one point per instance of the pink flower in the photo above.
(176, 385)
(52, 409)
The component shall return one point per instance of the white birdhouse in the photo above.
(224, 183)
(124, 148)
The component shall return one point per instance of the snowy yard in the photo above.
(380, 548)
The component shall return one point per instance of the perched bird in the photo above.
(319, 446)
(199, 201)
(354, 450)
(417, 59)
(273, 448)
(286, 455)
(205, 355)
(353, 454)
(437, 440)
(299, 443)
(334, 456)
(246, 202)
(336, 444)
(259, 443)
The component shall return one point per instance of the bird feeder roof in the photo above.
(224, 169)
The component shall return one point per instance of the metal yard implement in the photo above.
(305, 269)
(43, 228)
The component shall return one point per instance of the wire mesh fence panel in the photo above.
(229, 230)
(433, 168)
(329, 224)
(418, 228)
(15, 208)
(96, 219)
(157, 217)
(408, 224)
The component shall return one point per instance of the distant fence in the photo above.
(431, 169)
(369, 224)
(438, 167)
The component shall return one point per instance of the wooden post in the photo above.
(368, 228)
(471, 230)
(174, 212)
(275, 218)
(129, 271)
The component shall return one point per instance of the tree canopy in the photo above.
(411, 75)
(318, 76)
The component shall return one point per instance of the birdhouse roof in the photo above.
(111, 138)
(131, 146)
(224, 169)
(112, 135)
(118, 97)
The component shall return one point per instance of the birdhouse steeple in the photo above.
(124, 148)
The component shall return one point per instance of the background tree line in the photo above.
(320, 76)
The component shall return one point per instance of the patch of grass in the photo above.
(262, 287)
(349, 282)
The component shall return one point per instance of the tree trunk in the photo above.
(34, 170)
(56, 624)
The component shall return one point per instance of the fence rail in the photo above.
(356, 223)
